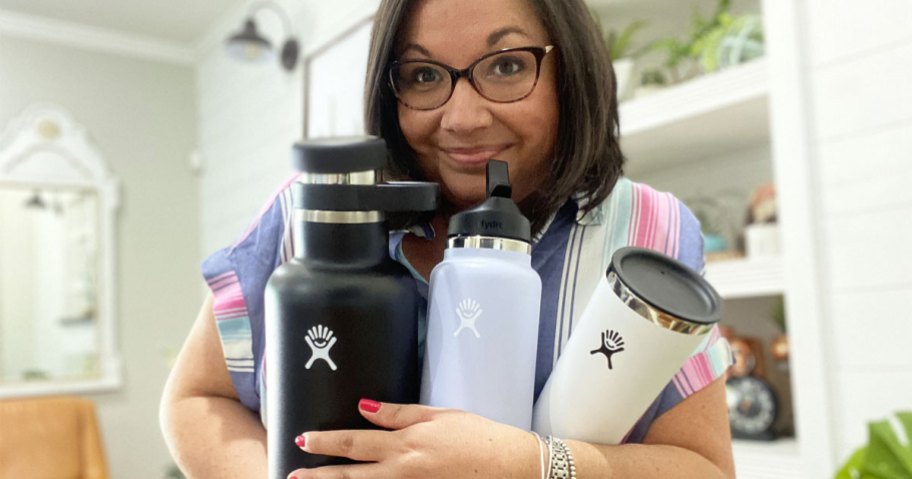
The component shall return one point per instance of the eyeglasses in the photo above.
(503, 76)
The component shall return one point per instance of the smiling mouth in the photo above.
(474, 156)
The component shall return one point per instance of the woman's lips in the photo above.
(474, 155)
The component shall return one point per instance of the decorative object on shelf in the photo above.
(779, 346)
(752, 404)
(888, 452)
(734, 41)
(761, 233)
(716, 223)
(251, 46)
(720, 41)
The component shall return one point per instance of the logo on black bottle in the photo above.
(468, 311)
(611, 344)
(321, 340)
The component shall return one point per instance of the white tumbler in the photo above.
(647, 316)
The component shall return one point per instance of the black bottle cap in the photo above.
(667, 284)
(498, 216)
(349, 155)
(340, 155)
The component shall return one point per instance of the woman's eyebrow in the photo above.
(418, 48)
(497, 35)
(493, 38)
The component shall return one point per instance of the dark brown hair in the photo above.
(588, 159)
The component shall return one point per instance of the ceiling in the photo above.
(180, 21)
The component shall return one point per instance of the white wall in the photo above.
(860, 62)
(141, 115)
(251, 114)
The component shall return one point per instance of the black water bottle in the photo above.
(341, 316)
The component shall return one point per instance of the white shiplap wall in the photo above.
(251, 114)
(861, 81)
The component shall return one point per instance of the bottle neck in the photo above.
(489, 242)
(356, 243)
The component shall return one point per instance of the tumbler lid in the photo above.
(667, 285)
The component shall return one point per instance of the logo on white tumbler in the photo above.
(321, 340)
(611, 344)
(468, 311)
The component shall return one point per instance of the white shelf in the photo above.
(709, 116)
(778, 459)
(742, 278)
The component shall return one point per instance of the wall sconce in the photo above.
(249, 45)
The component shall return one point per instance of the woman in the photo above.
(447, 97)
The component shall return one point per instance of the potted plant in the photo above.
(716, 42)
(651, 80)
(623, 55)
(887, 454)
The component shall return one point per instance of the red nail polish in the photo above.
(369, 405)
(300, 441)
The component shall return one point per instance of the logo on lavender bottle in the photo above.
(468, 311)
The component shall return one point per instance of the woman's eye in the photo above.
(507, 66)
(425, 76)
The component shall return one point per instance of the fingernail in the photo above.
(301, 441)
(369, 405)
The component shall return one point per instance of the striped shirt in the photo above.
(571, 254)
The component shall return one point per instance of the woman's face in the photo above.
(454, 142)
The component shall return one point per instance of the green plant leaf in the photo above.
(852, 468)
(886, 457)
(619, 45)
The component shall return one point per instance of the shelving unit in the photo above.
(742, 278)
(694, 132)
(680, 124)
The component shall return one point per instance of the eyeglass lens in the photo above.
(502, 77)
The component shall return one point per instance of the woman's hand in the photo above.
(423, 442)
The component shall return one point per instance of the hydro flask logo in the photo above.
(491, 225)
(321, 340)
(468, 311)
(612, 343)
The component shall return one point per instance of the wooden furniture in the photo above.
(50, 437)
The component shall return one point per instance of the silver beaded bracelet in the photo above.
(561, 463)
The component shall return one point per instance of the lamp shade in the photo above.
(249, 45)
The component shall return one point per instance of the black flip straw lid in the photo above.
(667, 285)
(498, 216)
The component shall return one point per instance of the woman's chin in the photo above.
(463, 198)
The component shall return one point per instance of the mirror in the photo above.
(58, 204)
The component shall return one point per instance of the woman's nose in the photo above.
(466, 110)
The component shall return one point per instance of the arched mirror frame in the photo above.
(50, 129)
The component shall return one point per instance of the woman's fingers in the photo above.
(353, 471)
(396, 416)
(358, 445)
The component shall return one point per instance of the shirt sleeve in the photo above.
(237, 276)
(711, 359)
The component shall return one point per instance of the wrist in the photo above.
(557, 460)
